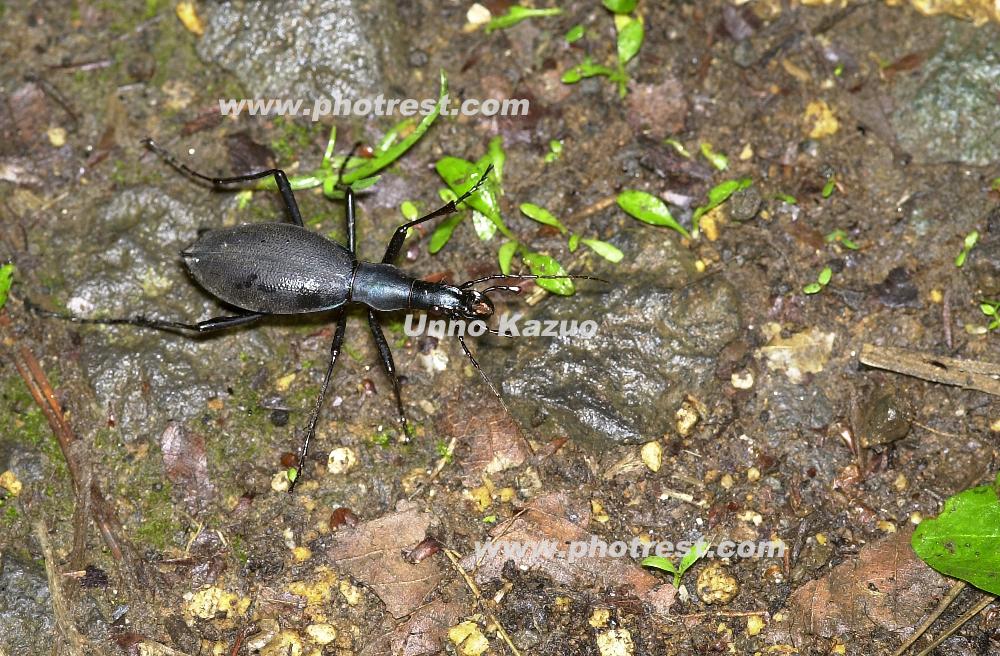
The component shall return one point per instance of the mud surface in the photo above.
(717, 398)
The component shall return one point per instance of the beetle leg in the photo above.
(482, 373)
(335, 346)
(390, 368)
(396, 243)
(291, 207)
(351, 231)
(207, 326)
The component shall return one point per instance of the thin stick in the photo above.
(986, 600)
(453, 557)
(941, 607)
(970, 374)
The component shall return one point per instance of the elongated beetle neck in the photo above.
(450, 300)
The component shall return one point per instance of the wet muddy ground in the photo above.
(143, 511)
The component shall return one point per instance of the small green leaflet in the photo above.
(543, 265)
(574, 242)
(543, 216)
(604, 249)
(630, 36)
(620, 6)
(718, 160)
(962, 541)
(693, 555)
(505, 254)
(6, 278)
(828, 188)
(648, 209)
(719, 194)
(516, 14)
(574, 34)
(587, 68)
(443, 232)
(485, 229)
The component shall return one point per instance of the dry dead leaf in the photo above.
(372, 553)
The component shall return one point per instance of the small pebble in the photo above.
(716, 586)
(341, 460)
(652, 455)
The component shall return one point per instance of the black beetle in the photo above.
(283, 268)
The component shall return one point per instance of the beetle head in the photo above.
(474, 304)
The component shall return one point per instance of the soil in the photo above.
(144, 508)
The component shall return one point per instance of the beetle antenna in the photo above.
(525, 276)
(482, 373)
(343, 165)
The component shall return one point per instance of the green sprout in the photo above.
(575, 33)
(543, 216)
(6, 278)
(822, 280)
(555, 151)
(718, 195)
(360, 172)
(840, 237)
(649, 209)
(991, 309)
(693, 555)
(443, 451)
(718, 160)
(678, 146)
(460, 175)
(518, 13)
(838, 70)
(830, 185)
(630, 36)
(409, 210)
(967, 245)
(788, 199)
(995, 184)
(292, 473)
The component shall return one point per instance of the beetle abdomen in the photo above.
(274, 268)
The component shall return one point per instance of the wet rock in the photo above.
(26, 621)
(898, 289)
(948, 111)
(657, 342)
(310, 50)
(744, 204)
(130, 266)
(880, 417)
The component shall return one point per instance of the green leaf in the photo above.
(719, 194)
(292, 474)
(718, 160)
(693, 555)
(678, 146)
(995, 184)
(828, 188)
(543, 216)
(659, 562)
(962, 540)
(825, 276)
(620, 6)
(605, 250)
(648, 209)
(813, 288)
(460, 175)
(485, 229)
(505, 254)
(443, 232)
(960, 260)
(543, 265)
(988, 308)
(574, 34)
(587, 68)
(841, 237)
(555, 151)
(497, 155)
(516, 14)
(971, 239)
(787, 198)
(574, 242)
(409, 210)
(630, 36)
(6, 278)
(392, 153)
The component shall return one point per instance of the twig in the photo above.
(41, 391)
(75, 642)
(986, 600)
(942, 605)
(453, 557)
(970, 374)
